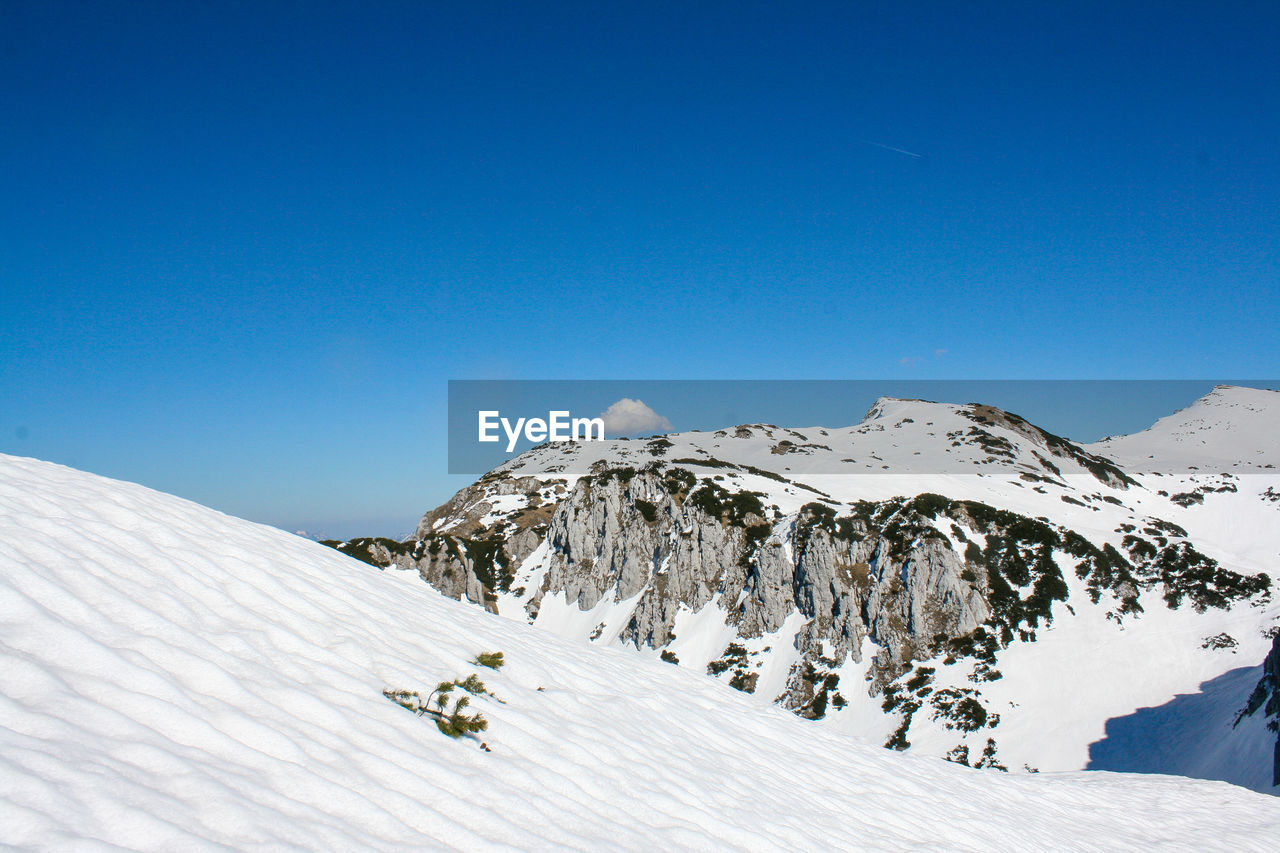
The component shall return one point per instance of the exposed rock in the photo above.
(1266, 698)
(931, 585)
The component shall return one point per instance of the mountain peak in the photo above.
(1230, 427)
(894, 407)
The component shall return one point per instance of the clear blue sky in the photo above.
(244, 245)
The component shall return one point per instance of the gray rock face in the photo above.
(666, 542)
(1266, 698)
(628, 538)
(671, 544)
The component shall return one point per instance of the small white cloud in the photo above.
(631, 417)
(908, 360)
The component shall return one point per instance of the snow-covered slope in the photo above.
(895, 438)
(1231, 428)
(173, 678)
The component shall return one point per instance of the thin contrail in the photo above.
(891, 148)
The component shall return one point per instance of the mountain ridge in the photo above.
(886, 603)
(1231, 424)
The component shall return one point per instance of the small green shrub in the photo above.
(648, 510)
(1219, 641)
(453, 721)
(492, 660)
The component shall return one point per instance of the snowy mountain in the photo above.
(1230, 427)
(173, 678)
(943, 578)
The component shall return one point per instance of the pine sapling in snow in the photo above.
(456, 723)
(453, 721)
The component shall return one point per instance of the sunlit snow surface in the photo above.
(176, 679)
(1230, 428)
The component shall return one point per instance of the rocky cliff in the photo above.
(1265, 699)
(890, 599)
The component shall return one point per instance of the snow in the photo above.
(1194, 734)
(888, 439)
(173, 678)
(1060, 693)
(1231, 428)
(701, 636)
(604, 622)
(915, 437)
(503, 505)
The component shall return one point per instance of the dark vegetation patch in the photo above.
(365, 549)
(489, 563)
(735, 660)
(823, 682)
(647, 510)
(1103, 469)
(1220, 641)
(732, 508)
(658, 447)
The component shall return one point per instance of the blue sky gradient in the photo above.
(244, 246)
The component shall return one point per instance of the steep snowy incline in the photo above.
(1230, 429)
(172, 678)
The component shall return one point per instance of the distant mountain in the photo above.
(175, 679)
(945, 578)
(1231, 427)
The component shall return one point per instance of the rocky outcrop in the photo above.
(919, 577)
(1266, 698)
(903, 573)
(686, 535)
